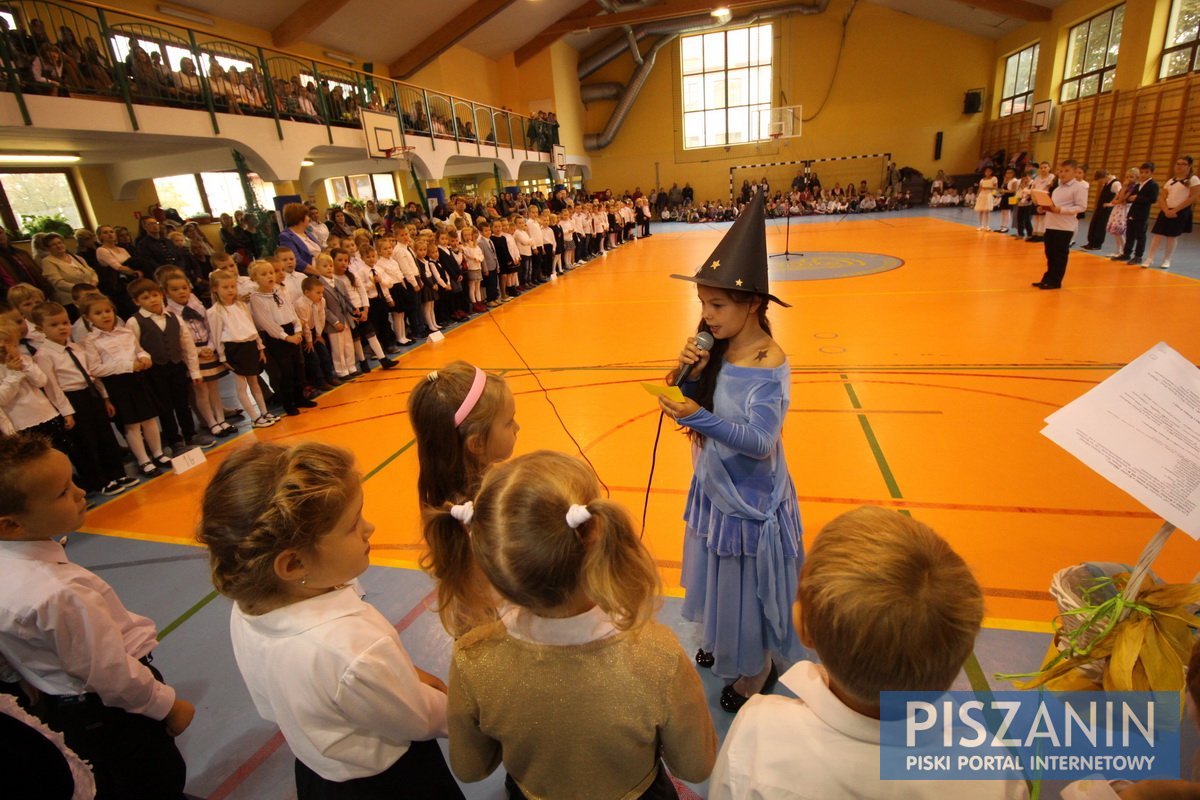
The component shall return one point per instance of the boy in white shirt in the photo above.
(310, 310)
(82, 655)
(826, 743)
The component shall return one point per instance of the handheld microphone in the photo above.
(704, 342)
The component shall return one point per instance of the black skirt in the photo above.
(242, 358)
(132, 396)
(419, 773)
(1170, 227)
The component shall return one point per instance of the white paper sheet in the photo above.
(188, 459)
(1140, 429)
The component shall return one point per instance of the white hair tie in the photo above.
(463, 512)
(431, 377)
(577, 515)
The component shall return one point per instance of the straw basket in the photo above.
(1068, 587)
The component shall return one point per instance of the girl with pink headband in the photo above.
(464, 420)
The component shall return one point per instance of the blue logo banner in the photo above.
(1029, 735)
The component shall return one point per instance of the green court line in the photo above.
(212, 595)
(880, 460)
(187, 614)
(388, 460)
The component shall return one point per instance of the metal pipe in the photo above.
(633, 45)
(601, 91)
(672, 29)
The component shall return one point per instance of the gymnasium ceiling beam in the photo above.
(446, 37)
(667, 10)
(1013, 9)
(543, 39)
(304, 20)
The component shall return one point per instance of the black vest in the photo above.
(162, 345)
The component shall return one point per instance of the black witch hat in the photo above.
(740, 261)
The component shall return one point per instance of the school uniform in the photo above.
(454, 301)
(175, 365)
(235, 338)
(1098, 227)
(339, 311)
(291, 285)
(318, 364)
(374, 285)
(331, 672)
(1141, 200)
(67, 634)
(276, 320)
(95, 453)
(525, 250)
(1177, 192)
(111, 356)
(490, 269)
(195, 316)
(79, 330)
(407, 292)
(33, 402)
(1071, 198)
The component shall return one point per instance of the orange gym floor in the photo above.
(922, 388)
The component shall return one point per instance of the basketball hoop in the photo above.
(400, 151)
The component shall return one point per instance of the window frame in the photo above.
(754, 110)
(1190, 47)
(8, 217)
(204, 201)
(1100, 72)
(1026, 96)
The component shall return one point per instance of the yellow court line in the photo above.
(1025, 626)
(141, 537)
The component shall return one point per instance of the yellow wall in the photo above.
(462, 73)
(901, 79)
(1137, 65)
(107, 211)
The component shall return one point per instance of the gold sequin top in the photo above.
(586, 721)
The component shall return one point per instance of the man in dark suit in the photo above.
(1141, 200)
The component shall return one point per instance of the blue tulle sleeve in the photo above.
(757, 436)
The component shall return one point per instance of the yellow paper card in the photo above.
(662, 390)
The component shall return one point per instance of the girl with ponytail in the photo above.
(576, 689)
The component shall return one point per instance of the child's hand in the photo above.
(141, 363)
(339, 327)
(431, 680)
(110, 409)
(206, 353)
(308, 345)
(295, 338)
(69, 421)
(179, 717)
(14, 361)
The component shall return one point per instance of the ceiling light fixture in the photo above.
(306, 162)
(38, 158)
(342, 57)
(722, 14)
(187, 14)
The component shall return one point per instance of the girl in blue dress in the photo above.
(743, 547)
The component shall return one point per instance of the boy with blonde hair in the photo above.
(888, 606)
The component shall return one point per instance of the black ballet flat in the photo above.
(705, 659)
(732, 701)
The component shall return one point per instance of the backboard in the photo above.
(781, 122)
(382, 132)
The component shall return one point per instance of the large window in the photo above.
(1183, 36)
(726, 86)
(1092, 48)
(210, 194)
(1020, 73)
(27, 196)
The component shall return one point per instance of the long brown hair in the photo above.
(525, 548)
(707, 384)
(449, 471)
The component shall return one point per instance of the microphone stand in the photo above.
(787, 240)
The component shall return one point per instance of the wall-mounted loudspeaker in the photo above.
(937, 146)
(973, 101)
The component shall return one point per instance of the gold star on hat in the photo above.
(738, 282)
(715, 264)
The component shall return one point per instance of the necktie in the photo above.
(91, 384)
(29, 346)
(275, 297)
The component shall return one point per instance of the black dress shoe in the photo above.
(732, 702)
(1038, 285)
(1049, 286)
(705, 659)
